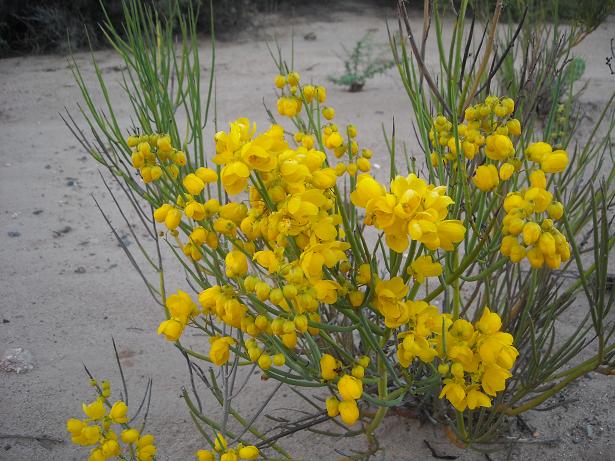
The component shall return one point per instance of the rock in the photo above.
(80, 270)
(17, 360)
(14, 234)
(310, 36)
(63, 231)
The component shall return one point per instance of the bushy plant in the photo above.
(362, 63)
(303, 265)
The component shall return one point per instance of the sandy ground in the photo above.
(66, 286)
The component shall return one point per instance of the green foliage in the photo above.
(40, 26)
(364, 61)
(588, 13)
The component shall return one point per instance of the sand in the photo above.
(66, 287)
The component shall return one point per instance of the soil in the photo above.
(67, 288)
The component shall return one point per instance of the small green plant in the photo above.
(362, 63)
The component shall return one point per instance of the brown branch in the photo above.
(488, 49)
(403, 14)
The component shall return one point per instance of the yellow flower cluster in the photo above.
(528, 227)
(181, 309)
(95, 430)
(349, 387)
(411, 209)
(475, 361)
(529, 233)
(279, 252)
(153, 154)
(488, 125)
(222, 452)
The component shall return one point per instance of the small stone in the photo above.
(64, 230)
(14, 234)
(590, 431)
(310, 36)
(80, 270)
(6, 321)
(17, 360)
(37, 212)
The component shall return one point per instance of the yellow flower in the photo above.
(476, 399)
(293, 78)
(494, 379)
(537, 151)
(514, 127)
(95, 410)
(356, 298)
(328, 367)
(234, 177)
(454, 393)
(75, 426)
(257, 154)
(555, 162)
(349, 412)
(328, 113)
(236, 264)
(264, 361)
(506, 171)
(249, 452)
(204, 455)
(145, 448)
(531, 233)
(220, 349)
(332, 405)
(173, 218)
(280, 82)
(171, 329)
(450, 232)
(538, 179)
(489, 322)
(220, 443)
(499, 147)
(367, 188)
(424, 267)
(129, 436)
(180, 306)
(555, 210)
(110, 448)
(535, 257)
(193, 184)
(118, 413)
(350, 388)
(207, 175)
(364, 274)
(486, 178)
(289, 106)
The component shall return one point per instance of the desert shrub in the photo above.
(302, 265)
(364, 61)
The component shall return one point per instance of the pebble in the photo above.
(14, 234)
(17, 360)
(80, 270)
(64, 230)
